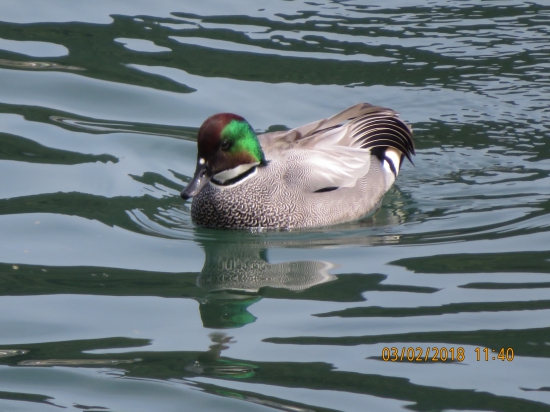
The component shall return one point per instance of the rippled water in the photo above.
(111, 299)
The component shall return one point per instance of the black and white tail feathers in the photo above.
(363, 126)
(387, 136)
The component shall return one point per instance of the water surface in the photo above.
(110, 297)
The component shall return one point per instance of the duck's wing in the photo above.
(285, 138)
(361, 126)
(382, 129)
(336, 152)
(325, 169)
(370, 127)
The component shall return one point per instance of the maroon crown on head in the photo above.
(210, 131)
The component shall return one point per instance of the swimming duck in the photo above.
(326, 172)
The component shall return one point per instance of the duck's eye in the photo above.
(225, 144)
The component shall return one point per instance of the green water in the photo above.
(112, 300)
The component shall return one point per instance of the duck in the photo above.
(330, 171)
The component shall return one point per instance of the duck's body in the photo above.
(330, 171)
(269, 198)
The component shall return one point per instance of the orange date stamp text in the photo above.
(444, 354)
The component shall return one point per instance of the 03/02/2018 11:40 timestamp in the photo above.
(444, 354)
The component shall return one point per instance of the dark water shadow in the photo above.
(182, 366)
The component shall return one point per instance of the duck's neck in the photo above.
(236, 175)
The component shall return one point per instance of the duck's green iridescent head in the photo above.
(228, 150)
(238, 138)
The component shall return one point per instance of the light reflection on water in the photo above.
(104, 276)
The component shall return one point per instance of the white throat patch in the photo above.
(226, 175)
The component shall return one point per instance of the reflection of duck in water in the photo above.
(209, 363)
(244, 267)
(235, 272)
